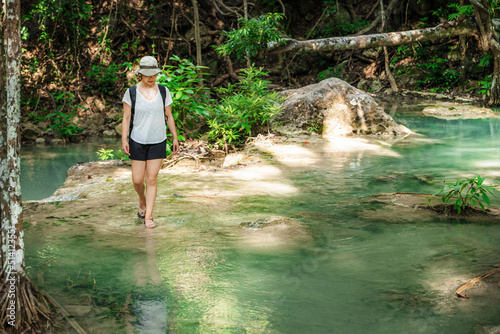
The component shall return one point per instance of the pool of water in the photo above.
(44, 167)
(356, 272)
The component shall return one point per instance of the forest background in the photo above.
(79, 55)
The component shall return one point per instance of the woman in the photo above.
(148, 138)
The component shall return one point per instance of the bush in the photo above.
(103, 77)
(59, 118)
(243, 109)
(189, 95)
(438, 76)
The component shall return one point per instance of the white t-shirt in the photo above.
(149, 117)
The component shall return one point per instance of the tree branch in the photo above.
(446, 29)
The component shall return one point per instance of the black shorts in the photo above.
(145, 152)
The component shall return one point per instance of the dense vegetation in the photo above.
(77, 52)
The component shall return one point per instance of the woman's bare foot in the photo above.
(142, 210)
(149, 222)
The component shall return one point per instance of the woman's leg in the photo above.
(138, 172)
(152, 169)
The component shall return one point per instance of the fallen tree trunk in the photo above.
(444, 30)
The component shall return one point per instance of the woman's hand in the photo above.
(125, 148)
(175, 146)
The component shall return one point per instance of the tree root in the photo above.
(65, 314)
(471, 282)
(32, 312)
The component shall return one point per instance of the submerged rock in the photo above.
(398, 207)
(455, 110)
(426, 179)
(273, 234)
(270, 221)
(340, 109)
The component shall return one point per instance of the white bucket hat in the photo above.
(148, 66)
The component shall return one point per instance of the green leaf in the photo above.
(480, 180)
(486, 199)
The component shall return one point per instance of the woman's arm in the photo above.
(171, 127)
(127, 114)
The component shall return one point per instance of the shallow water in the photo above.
(44, 167)
(353, 271)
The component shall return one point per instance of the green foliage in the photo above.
(330, 7)
(328, 29)
(318, 128)
(454, 11)
(60, 119)
(244, 107)
(103, 77)
(252, 37)
(105, 154)
(485, 60)
(438, 76)
(189, 95)
(485, 86)
(122, 156)
(345, 27)
(108, 154)
(61, 16)
(402, 52)
(468, 192)
(494, 6)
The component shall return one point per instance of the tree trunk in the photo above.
(197, 37)
(388, 72)
(245, 8)
(22, 306)
(444, 30)
(3, 143)
(463, 51)
(495, 84)
(487, 41)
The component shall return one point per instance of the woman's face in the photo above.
(149, 80)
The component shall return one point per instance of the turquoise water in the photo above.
(44, 167)
(362, 269)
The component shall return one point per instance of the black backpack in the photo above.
(133, 94)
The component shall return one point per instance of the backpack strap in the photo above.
(163, 92)
(133, 93)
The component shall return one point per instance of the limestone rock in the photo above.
(340, 108)
(43, 125)
(99, 105)
(75, 120)
(58, 141)
(118, 129)
(94, 121)
(456, 110)
(40, 141)
(30, 131)
(113, 117)
(109, 133)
